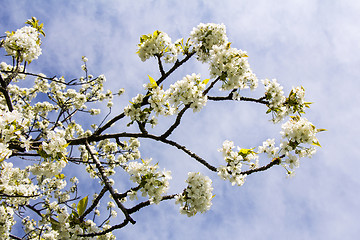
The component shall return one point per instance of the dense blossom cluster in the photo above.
(197, 196)
(157, 44)
(188, 91)
(235, 160)
(6, 221)
(153, 183)
(16, 182)
(205, 36)
(280, 105)
(24, 44)
(40, 125)
(275, 94)
(12, 126)
(296, 132)
(56, 145)
(232, 66)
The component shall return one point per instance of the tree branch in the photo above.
(4, 91)
(107, 183)
(275, 161)
(123, 224)
(94, 204)
(145, 100)
(147, 203)
(161, 68)
(14, 237)
(246, 99)
(141, 135)
(176, 123)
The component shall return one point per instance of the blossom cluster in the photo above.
(63, 226)
(275, 95)
(299, 130)
(56, 144)
(235, 160)
(188, 91)
(16, 182)
(269, 147)
(280, 105)
(295, 132)
(6, 221)
(24, 44)
(152, 182)
(12, 126)
(232, 66)
(205, 36)
(197, 196)
(157, 44)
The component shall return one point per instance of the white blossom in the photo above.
(157, 44)
(232, 66)
(23, 44)
(197, 196)
(205, 36)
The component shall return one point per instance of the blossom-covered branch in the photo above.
(43, 126)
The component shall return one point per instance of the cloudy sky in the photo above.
(311, 43)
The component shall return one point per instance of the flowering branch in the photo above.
(46, 133)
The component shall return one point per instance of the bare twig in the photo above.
(147, 203)
(176, 123)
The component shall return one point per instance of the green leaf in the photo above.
(244, 152)
(321, 130)
(316, 143)
(81, 207)
(153, 83)
(156, 33)
(205, 81)
(60, 176)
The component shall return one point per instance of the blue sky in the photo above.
(302, 42)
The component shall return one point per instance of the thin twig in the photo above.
(276, 161)
(176, 123)
(147, 203)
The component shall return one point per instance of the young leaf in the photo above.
(205, 81)
(153, 83)
(81, 207)
(244, 152)
(321, 130)
(60, 176)
(316, 143)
